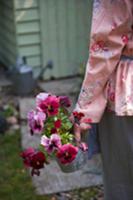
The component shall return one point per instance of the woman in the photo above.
(106, 95)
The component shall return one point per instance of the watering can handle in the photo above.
(24, 59)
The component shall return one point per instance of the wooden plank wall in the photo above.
(7, 33)
(65, 26)
(28, 30)
(44, 30)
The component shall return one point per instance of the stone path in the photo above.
(62, 87)
(52, 179)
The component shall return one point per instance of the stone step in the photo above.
(62, 87)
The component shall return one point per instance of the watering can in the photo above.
(22, 76)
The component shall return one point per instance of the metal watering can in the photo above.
(22, 76)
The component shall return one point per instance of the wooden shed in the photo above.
(43, 31)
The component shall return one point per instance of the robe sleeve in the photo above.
(109, 35)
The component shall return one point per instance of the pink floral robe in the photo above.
(108, 81)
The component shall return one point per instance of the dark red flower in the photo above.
(65, 101)
(26, 155)
(67, 153)
(53, 130)
(50, 105)
(57, 123)
(34, 159)
(38, 159)
(77, 116)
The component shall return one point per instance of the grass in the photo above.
(15, 183)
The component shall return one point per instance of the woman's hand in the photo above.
(80, 126)
(80, 129)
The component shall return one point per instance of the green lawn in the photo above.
(15, 184)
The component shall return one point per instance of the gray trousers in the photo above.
(116, 143)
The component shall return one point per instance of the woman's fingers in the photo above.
(84, 126)
(80, 129)
(77, 133)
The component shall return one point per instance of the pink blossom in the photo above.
(50, 105)
(41, 97)
(67, 153)
(83, 146)
(51, 144)
(36, 121)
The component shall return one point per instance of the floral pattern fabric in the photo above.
(108, 81)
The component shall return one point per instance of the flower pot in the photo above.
(80, 160)
(76, 164)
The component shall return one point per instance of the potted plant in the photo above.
(51, 119)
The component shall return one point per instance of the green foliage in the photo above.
(15, 183)
(9, 110)
(65, 129)
(67, 138)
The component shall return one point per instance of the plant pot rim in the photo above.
(77, 164)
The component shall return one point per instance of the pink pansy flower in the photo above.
(36, 121)
(83, 146)
(50, 105)
(67, 153)
(51, 144)
(41, 97)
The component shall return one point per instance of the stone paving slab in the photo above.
(63, 86)
(26, 104)
(52, 180)
(27, 140)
